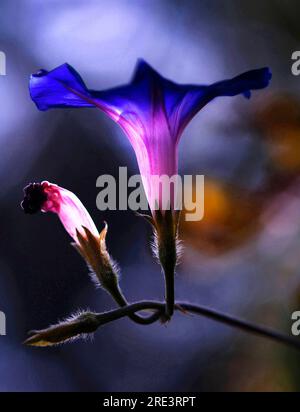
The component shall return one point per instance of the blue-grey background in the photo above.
(244, 258)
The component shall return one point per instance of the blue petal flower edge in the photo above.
(244, 83)
(63, 87)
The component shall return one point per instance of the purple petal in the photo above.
(147, 93)
(63, 87)
(197, 97)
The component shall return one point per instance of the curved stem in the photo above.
(89, 322)
(120, 299)
(203, 311)
(115, 314)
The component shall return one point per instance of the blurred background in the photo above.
(243, 257)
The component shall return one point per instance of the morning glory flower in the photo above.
(49, 197)
(152, 110)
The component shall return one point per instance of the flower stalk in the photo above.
(166, 250)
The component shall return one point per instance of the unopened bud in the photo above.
(75, 327)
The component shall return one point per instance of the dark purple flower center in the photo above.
(34, 198)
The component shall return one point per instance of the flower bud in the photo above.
(49, 197)
(75, 327)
